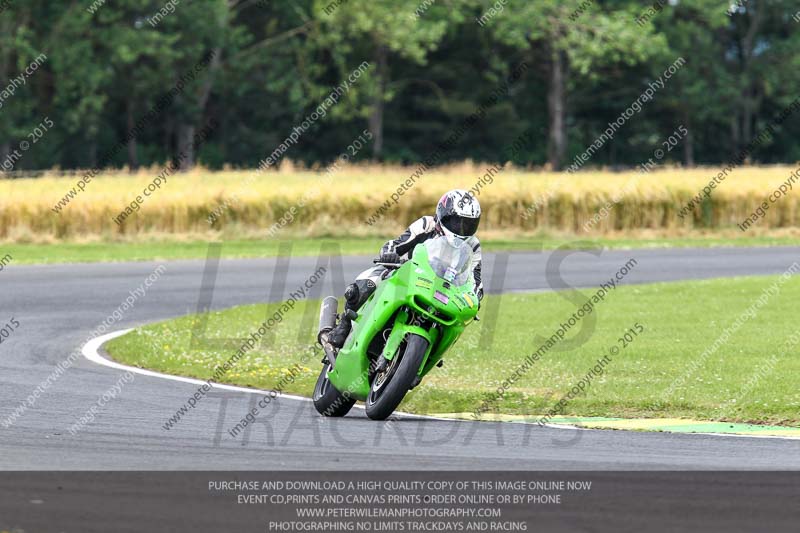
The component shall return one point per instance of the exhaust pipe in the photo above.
(327, 314)
(327, 321)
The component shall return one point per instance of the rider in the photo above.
(458, 214)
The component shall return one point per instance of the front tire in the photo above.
(390, 387)
(329, 401)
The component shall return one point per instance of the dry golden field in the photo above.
(517, 201)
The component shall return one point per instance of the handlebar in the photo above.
(389, 265)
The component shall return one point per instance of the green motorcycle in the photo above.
(400, 333)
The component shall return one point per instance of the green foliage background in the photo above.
(432, 65)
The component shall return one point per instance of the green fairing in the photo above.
(389, 304)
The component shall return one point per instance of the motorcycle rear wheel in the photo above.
(329, 401)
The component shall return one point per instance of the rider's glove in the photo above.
(389, 257)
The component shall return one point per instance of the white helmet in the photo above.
(458, 214)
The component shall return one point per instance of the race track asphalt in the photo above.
(57, 307)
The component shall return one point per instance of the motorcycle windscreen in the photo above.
(451, 261)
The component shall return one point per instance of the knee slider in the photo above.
(351, 294)
(365, 289)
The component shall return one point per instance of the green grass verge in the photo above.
(305, 246)
(753, 377)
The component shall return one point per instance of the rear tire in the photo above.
(397, 379)
(329, 401)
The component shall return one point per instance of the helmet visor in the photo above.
(461, 226)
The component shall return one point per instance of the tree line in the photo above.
(432, 64)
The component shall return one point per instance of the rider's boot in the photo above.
(354, 296)
(339, 334)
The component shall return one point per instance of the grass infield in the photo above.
(174, 249)
(654, 370)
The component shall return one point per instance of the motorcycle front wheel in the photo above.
(390, 386)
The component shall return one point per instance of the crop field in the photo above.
(349, 201)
